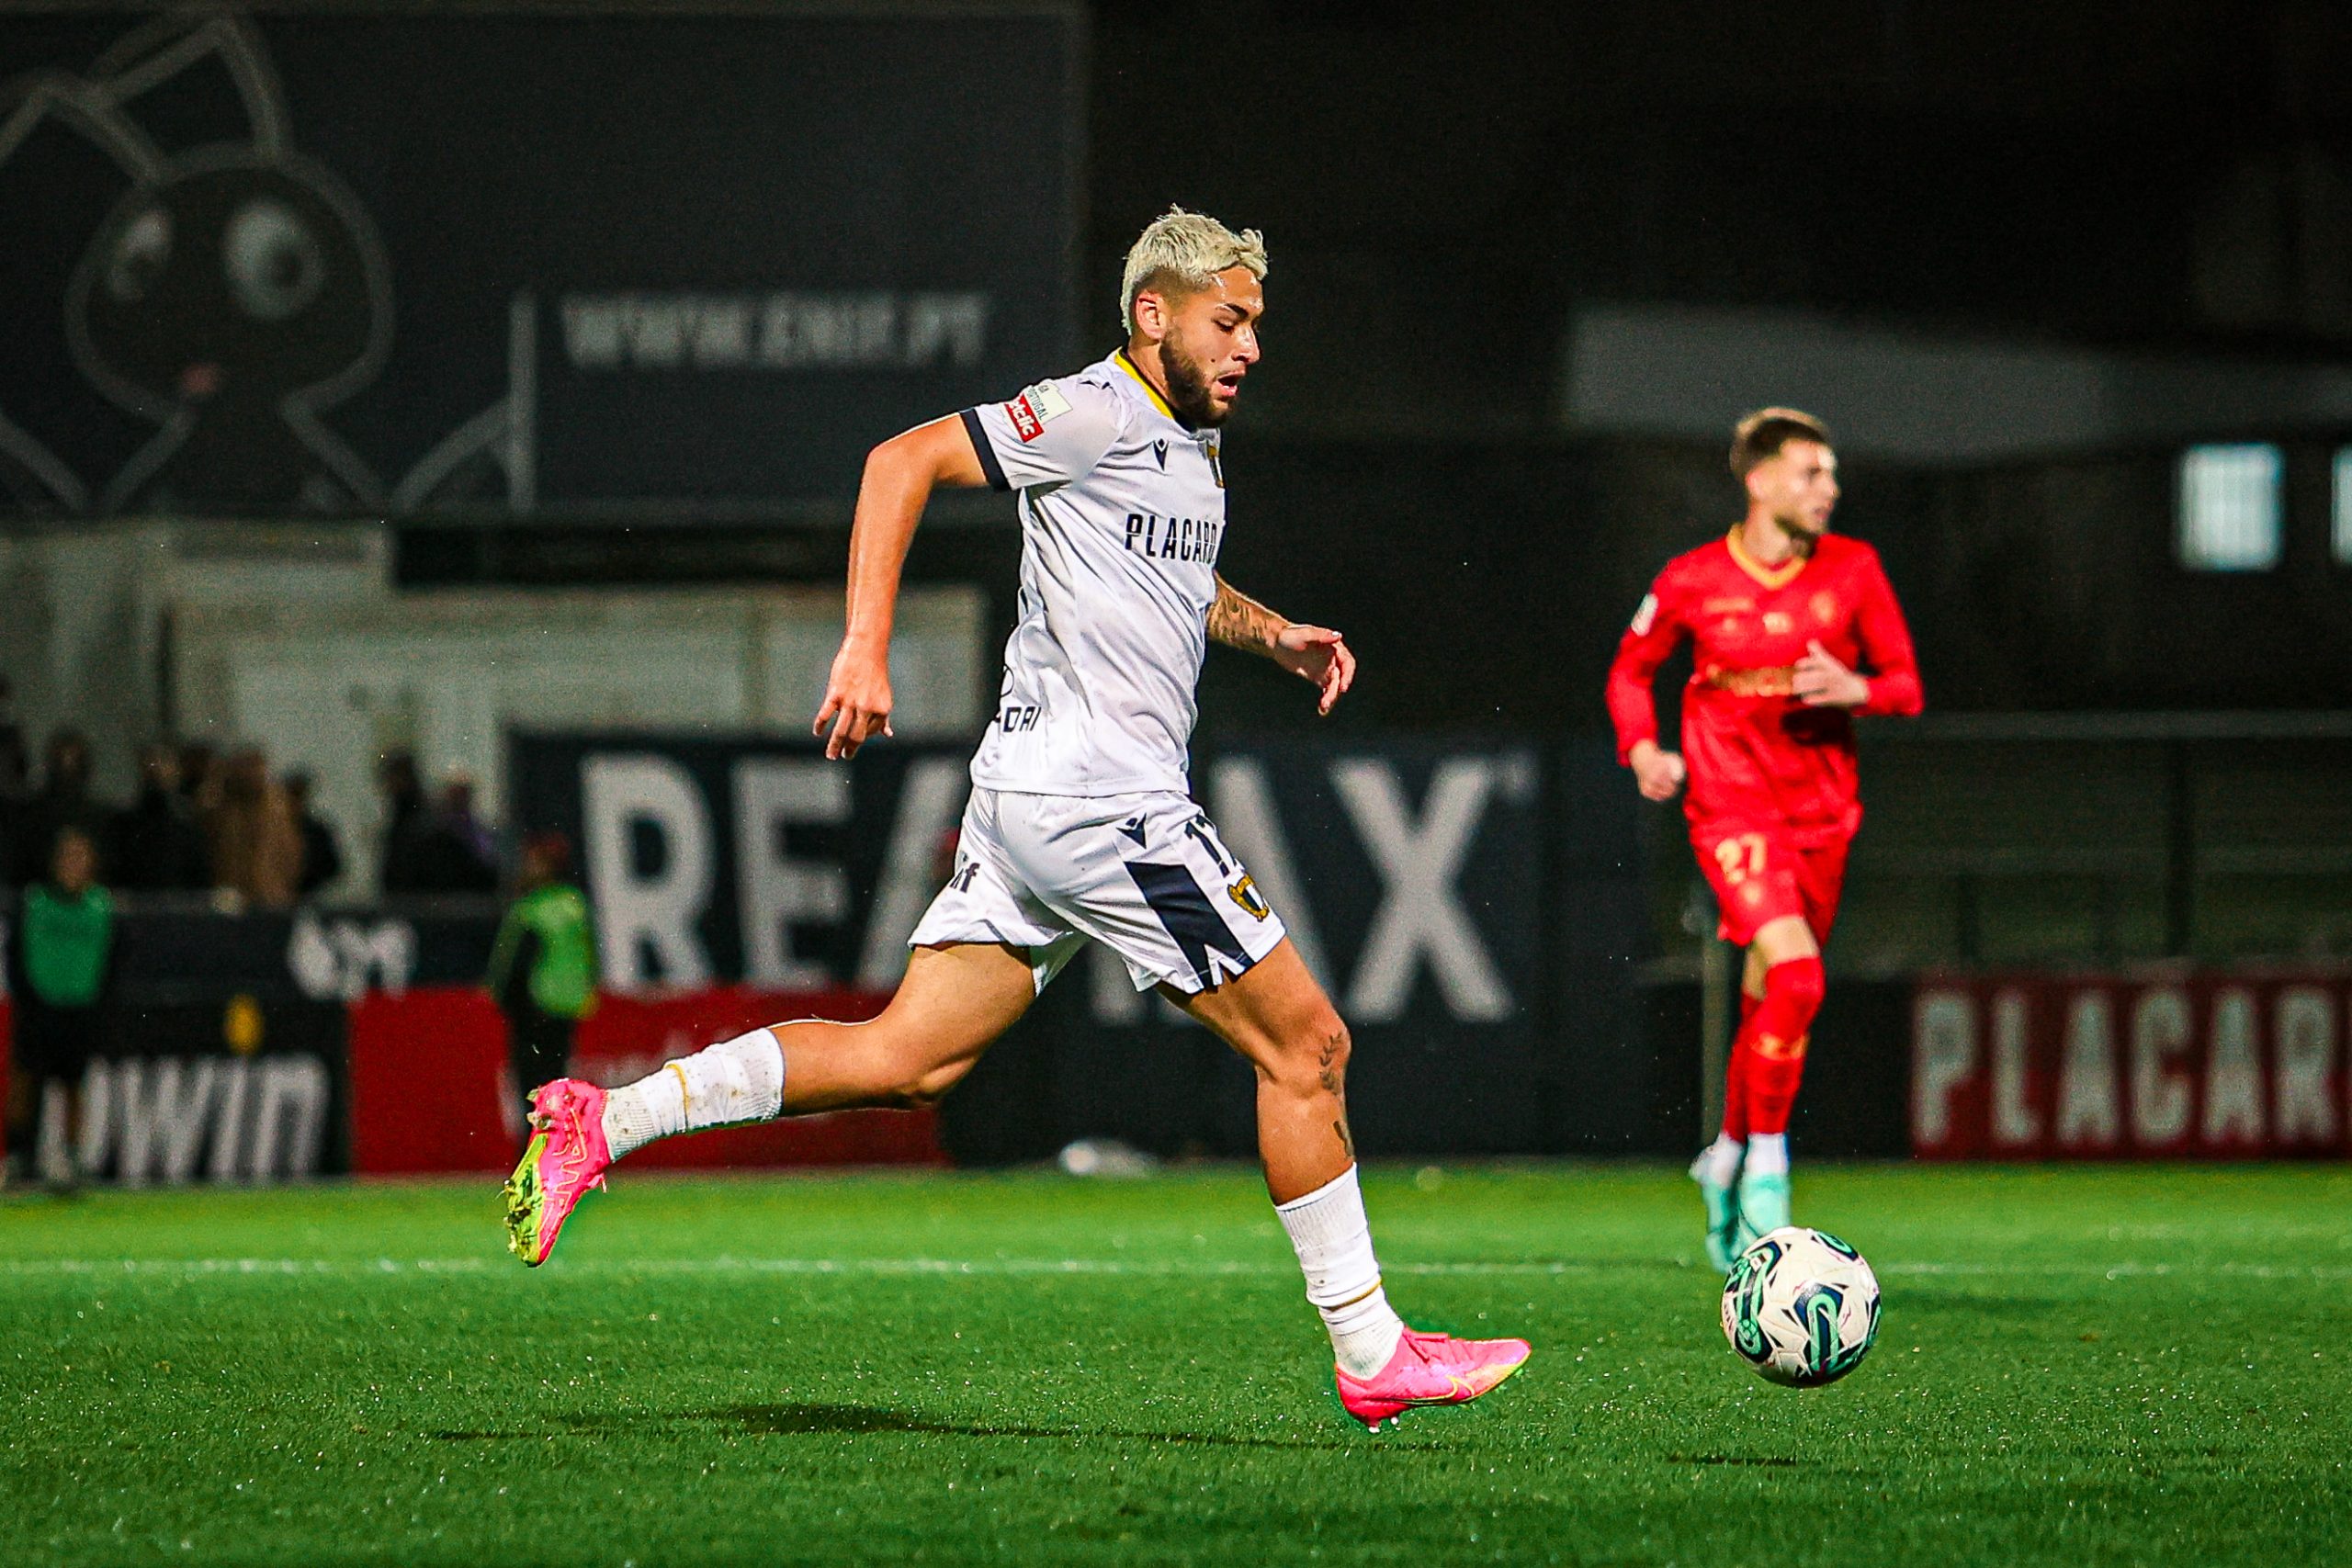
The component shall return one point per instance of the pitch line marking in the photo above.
(322, 1267)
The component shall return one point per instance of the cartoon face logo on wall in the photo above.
(230, 293)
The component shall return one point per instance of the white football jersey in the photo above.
(1121, 511)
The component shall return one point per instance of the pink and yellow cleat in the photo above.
(1430, 1369)
(566, 1157)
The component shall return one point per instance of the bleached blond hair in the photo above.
(1188, 248)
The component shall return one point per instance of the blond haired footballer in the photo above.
(1081, 827)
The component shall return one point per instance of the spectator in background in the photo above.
(15, 779)
(256, 848)
(154, 845)
(543, 966)
(408, 827)
(429, 850)
(58, 966)
(197, 785)
(467, 850)
(15, 800)
(63, 802)
(12, 734)
(322, 860)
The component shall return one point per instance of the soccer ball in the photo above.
(1800, 1306)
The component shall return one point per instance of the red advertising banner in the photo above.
(431, 1089)
(427, 1070)
(2163, 1065)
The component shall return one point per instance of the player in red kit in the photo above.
(1793, 631)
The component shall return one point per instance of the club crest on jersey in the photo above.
(1244, 893)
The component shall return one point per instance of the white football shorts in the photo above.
(1144, 875)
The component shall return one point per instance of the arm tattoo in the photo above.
(1238, 620)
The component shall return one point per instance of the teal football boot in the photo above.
(1723, 1216)
(1763, 1207)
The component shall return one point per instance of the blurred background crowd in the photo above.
(219, 822)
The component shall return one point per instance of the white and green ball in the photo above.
(1800, 1307)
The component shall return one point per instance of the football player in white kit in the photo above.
(1080, 826)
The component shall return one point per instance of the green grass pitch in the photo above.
(2088, 1366)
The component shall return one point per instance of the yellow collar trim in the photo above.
(1141, 380)
(1769, 576)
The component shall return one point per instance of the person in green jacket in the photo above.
(543, 966)
(59, 956)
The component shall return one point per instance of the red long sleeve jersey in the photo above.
(1754, 752)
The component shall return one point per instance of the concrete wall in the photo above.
(86, 637)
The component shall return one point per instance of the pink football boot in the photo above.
(1430, 1369)
(566, 1157)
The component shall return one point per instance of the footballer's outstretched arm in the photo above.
(1314, 653)
(900, 474)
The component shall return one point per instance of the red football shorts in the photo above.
(1759, 876)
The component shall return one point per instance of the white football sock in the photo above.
(734, 1081)
(1768, 1154)
(1333, 1240)
(1720, 1162)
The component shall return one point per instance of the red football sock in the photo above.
(1735, 1070)
(1779, 1033)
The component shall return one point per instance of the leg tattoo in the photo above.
(1328, 1074)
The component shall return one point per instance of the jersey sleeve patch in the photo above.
(1646, 616)
(1030, 412)
(1026, 423)
(1051, 433)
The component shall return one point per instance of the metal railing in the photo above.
(2088, 838)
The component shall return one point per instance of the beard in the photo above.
(1187, 386)
(1801, 535)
